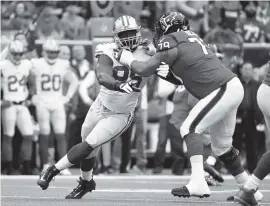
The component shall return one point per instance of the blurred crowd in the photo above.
(227, 24)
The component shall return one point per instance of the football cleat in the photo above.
(183, 192)
(213, 172)
(46, 177)
(258, 197)
(245, 197)
(83, 188)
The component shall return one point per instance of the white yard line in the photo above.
(124, 190)
(112, 177)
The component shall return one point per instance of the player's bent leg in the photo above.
(77, 152)
(43, 117)
(221, 138)
(9, 122)
(25, 125)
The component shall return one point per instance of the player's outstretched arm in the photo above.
(147, 68)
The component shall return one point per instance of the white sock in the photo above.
(63, 163)
(252, 183)
(242, 178)
(211, 160)
(87, 175)
(197, 171)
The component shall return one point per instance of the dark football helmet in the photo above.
(171, 22)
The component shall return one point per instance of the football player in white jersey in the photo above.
(14, 76)
(112, 111)
(49, 73)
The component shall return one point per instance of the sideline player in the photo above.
(14, 77)
(49, 73)
(219, 90)
(112, 111)
(246, 195)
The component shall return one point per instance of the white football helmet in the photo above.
(51, 50)
(16, 51)
(127, 33)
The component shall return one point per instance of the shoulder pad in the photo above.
(105, 48)
(166, 42)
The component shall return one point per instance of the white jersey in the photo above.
(49, 79)
(14, 79)
(114, 100)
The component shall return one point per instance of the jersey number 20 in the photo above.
(49, 82)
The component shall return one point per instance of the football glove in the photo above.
(164, 72)
(124, 56)
(148, 47)
(128, 87)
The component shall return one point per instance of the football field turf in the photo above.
(115, 190)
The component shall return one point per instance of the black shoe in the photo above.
(213, 172)
(83, 187)
(46, 177)
(245, 197)
(183, 192)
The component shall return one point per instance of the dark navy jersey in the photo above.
(198, 67)
(267, 76)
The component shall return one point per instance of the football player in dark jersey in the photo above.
(246, 194)
(219, 90)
